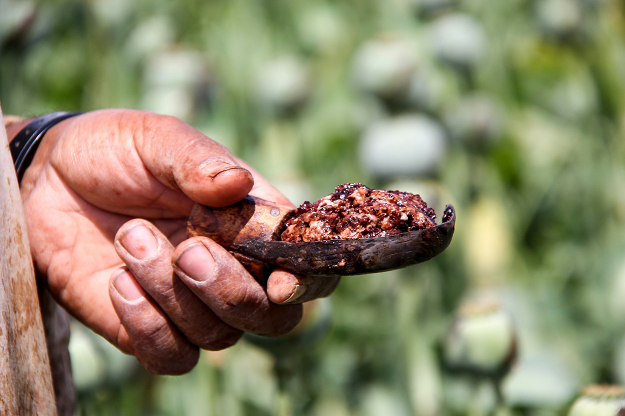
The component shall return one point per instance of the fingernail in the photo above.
(300, 289)
(196, 262)
(140, 242)
(128, 287)
(214, 168)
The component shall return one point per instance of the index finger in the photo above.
(286, 288)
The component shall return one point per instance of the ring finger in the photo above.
(147, 254)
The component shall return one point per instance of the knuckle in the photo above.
(285, 321)
(223, 339)
(161, 353)
(168, 366)
(235, 297)
(320, 289)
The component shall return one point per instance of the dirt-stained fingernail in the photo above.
(127, 286)
(214, 168)
(196, 262)
(299, 290)
(139, 241)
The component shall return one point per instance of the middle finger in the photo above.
(217, 278)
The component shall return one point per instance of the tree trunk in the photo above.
(26, 386)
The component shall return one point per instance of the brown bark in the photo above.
(25, 377)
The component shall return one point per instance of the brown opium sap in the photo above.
(356, 211)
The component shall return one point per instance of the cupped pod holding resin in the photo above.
(355, 230)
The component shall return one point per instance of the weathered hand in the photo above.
(92, 178)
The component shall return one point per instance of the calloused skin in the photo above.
(106, 200)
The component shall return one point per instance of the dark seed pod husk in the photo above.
(250, 229)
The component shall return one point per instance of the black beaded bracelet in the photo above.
(26, 142)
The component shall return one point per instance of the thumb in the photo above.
(184, 159)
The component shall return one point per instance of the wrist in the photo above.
(25, 143)
(14, 124)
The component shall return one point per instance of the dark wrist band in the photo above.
(26, 142)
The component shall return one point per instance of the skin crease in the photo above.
(97, 176)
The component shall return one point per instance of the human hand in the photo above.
(91, 180)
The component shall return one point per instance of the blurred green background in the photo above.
(511, 110)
